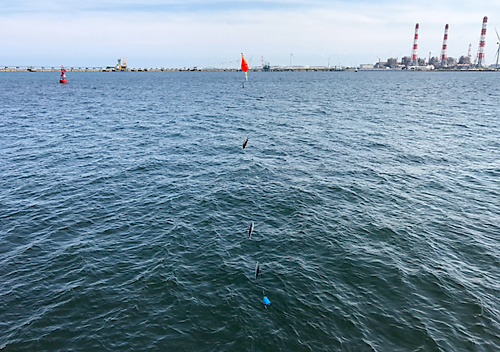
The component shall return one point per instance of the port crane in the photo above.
(122, 64)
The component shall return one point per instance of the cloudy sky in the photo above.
(187, 33)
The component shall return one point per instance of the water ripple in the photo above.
(125, 216)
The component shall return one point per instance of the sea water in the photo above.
(126, 200)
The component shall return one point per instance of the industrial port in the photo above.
(413, 62)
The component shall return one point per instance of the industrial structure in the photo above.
(414, 57)
(498, 50)
(445, 46)
(122, 64)
(416, 63)
(482, 44)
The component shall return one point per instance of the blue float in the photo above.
(266, 300)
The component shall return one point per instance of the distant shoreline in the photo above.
(35, 69)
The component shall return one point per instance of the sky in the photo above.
(189, 33)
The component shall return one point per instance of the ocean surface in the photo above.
(126, 200)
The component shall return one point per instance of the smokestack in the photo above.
(414, 58)
(482, 44)
(445, 46)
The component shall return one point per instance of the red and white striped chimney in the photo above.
(482, 44)
(414, 58)
(445, 46)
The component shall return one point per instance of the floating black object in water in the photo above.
(250, 230)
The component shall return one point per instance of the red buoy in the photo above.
(63, 75)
